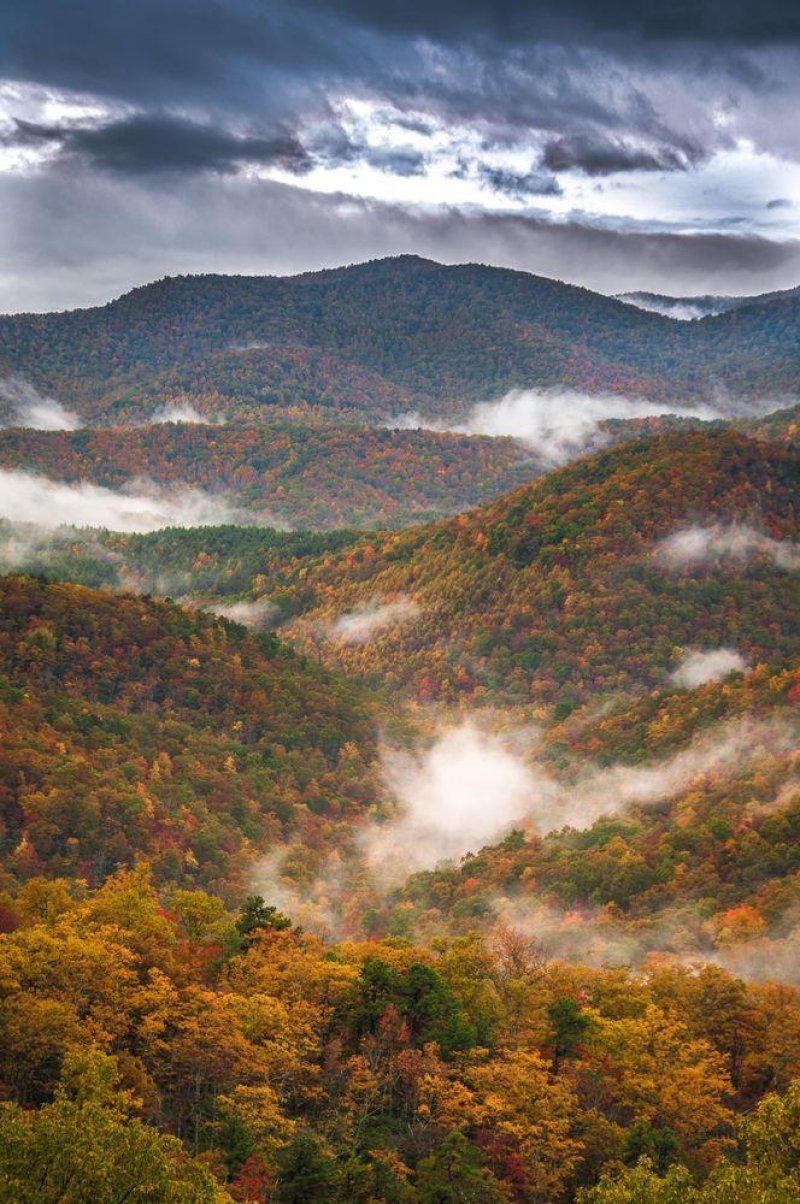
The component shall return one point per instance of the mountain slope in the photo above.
(385, 336)
(132, 727)
(700, 306)
(559, 590)
(664, 847)
(319, 477)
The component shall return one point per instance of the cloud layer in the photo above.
(366, 624)
(556, 424)
(739, 542)
(22, 405)
(26, 498)
(698, 667)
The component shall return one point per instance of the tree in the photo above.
(84, 1147)
(255, 914)
(660, 1145)
(569, 1026)
(306, 1172)
(457, 1174)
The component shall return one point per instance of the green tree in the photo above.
(456, 1174)
(306, 1173)
(256, 914)
(568, 1028)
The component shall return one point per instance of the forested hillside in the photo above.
(133, 728)
(596, 1001)
(384, 337)
(592, 579)
(288, 473)
(596, 578)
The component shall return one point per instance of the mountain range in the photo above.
(387, 337)
(446, 849)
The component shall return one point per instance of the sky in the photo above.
(618, 145)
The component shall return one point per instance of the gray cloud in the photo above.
(596, 155)
(123, 233)
(734, 21)
(531, 183)
(142, 144)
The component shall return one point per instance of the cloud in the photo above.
(599, 155)
(401, 161)
(179, 413)
(682, 311)
(520, 184)
(259, 615)
(145, 143)
(26, 407)
(557, 424)
(740, 542)
(369, 622)
(698, 667)
(462, 794)
(26, 498)
(765, 959)
(514, 21)
(126, 232)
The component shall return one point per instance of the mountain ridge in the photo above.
(438, 338)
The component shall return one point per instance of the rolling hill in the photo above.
(133, 729)
(286, 473)
(386, 337)
(593, 579)
(589, 580)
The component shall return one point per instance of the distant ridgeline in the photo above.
(385, 338)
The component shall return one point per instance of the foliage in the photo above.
(556, 593)
(133, 727)
(287, 473)
(384, 338)
(296, 1070)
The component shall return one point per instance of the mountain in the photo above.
(133, 729)
(383, 338)
(590, 580)
(286, 473)
(692, 308)
(596, 578)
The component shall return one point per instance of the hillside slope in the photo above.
(318, 477)
(384, 337)
(134, 728)
(564, 588)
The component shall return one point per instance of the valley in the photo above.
(400, 812)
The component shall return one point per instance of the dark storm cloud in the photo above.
(144, 144)
(596, 155)
(520, 184)
(734, 21)
(518, 67)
